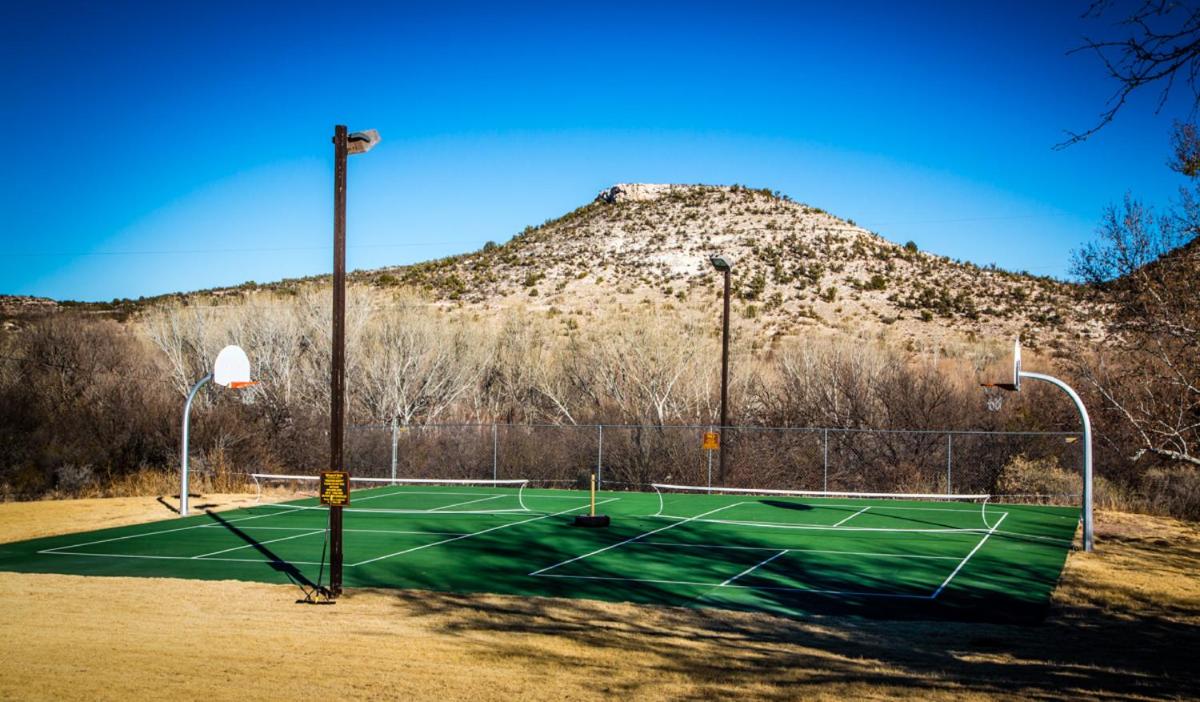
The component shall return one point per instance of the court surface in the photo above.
(788, 555)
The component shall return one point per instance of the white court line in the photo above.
(470, 502)
(477, 533)
(967, 558)
(852, 593)
(260, 543)
(175, 558)
(635, 538)
(800, 550)
(153, 533)
(753, 568)
(864, 509)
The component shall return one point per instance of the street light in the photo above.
(343, 145)
(725, 265)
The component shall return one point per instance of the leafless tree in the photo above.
(416, 365)
(1157, 44)
(1148, 267)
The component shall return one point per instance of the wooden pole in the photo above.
(337, 380)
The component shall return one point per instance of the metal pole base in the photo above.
(594, 521)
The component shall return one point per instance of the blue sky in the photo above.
(155, 147)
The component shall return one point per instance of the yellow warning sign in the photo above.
(712, 441)
(335, 488)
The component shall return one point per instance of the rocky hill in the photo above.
(798, 269)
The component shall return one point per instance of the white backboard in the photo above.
(1016, 381)
(232, 368)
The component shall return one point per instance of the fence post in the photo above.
(709, 452)
(395, 447)
(495, 450)
(825, 462)
(949, 459)
(599, 455)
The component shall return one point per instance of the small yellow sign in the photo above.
(712, 441)
(335, 488)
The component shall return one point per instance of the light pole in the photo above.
(343, 145)
(725, 265)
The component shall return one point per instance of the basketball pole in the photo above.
(1088, 531)
(183, 458)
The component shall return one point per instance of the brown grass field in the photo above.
(1124, 624)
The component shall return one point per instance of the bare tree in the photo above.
(1159, 44)
(1148, 267)
(415, 364)
(180, 334)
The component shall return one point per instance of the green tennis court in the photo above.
(793, 555)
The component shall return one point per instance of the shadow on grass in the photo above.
(1079, 649)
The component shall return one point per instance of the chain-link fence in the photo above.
(810, 458)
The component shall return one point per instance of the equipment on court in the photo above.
(591, 519)
(955, 512)
(231, 369)
(406, 495)
(1015, 386)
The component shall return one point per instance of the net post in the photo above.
(495, 451)
(592, 492)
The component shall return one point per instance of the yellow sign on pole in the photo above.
(712, 441)
(335, 488)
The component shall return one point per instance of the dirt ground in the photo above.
(1125, 623)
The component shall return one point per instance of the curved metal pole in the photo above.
(183, 457)
(1088, 540)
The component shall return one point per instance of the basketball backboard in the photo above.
(1013, 385)
(1016, 377)
(232, 368)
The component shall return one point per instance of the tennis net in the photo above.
(402, 495)
(825, 510)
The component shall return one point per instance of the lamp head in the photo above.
(362, 142)
(721, 262)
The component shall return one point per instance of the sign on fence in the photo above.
(712, 441)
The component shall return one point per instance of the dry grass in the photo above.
(1124, 624)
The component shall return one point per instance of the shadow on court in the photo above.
(798, 506)
(276, 563)
(994, 588)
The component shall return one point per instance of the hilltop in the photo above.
(797, 269)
